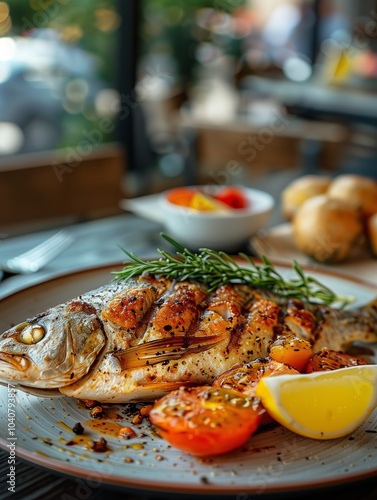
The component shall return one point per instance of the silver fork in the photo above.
(39, 256)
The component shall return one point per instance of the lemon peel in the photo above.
(321, 405)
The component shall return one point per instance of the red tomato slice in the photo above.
(206, 420)
(233, 197)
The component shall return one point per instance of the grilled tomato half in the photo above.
(205, 421)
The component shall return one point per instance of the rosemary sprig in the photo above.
(218, 268)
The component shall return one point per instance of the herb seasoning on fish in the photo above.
(111, 345)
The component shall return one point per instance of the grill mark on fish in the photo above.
(142, 325)
(300, 321)
(235, 338)
(228, 302)
(196, 322)
(135, 339)
(127, 312)
(176, 313)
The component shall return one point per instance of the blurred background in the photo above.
(102, 99)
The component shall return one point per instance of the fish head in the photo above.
(53, 349)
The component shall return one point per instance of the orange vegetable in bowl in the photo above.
(181, 196)
(225, 199)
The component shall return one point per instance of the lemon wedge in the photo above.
(201, 201)
(321, 405)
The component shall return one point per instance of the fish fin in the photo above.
(157, 351)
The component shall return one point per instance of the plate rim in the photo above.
(57, 466)
(113, 266)
(184, 488)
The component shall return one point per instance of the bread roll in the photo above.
(356, 188)
(301, 189)
(372, 233)
(326, 229)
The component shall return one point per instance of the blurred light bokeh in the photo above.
(206, 70)
(57, 75)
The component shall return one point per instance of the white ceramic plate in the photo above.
(274, 460)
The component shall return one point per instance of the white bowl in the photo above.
(228, 231)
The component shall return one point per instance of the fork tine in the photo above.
(43, 247)
(52, 251)
(39, 256)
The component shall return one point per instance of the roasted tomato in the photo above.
(233, 197)
(326, 359)
(291, 350)
(206, 420)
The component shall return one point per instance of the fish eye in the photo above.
(32, 334)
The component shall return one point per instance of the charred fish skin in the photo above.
(233, 327)
(134, 340)
(337, 329)
(124, 315)
(327, 327)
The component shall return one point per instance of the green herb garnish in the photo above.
(218, 268)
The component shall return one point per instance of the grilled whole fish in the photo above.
(134, 340)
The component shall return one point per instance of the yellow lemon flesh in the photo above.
(321, 405)
(203, 202)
